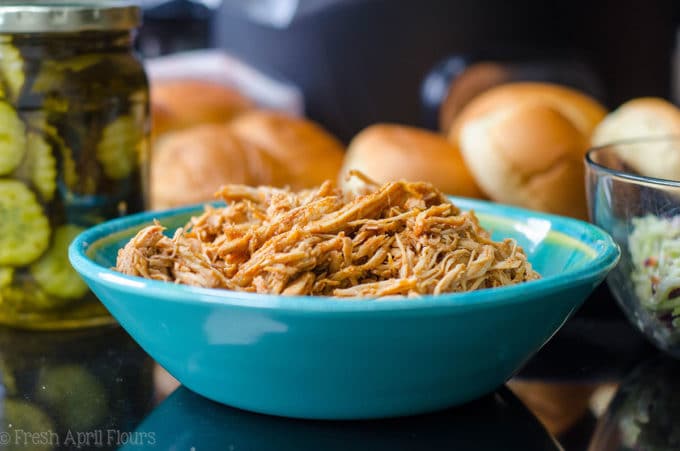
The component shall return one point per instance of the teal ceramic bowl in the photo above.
(323, 358)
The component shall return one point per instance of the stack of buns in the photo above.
(206, 135)
(516, 143)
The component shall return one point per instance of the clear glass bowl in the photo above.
(642, 213)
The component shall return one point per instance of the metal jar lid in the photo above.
(50, 16)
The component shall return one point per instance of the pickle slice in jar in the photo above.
(24, 228)
(119, 147)
(6, 276)
(11, 69)
(39, 167)
(80, 62)
(53, 73)
(12, 139)
(24, 296)
(68, 165)
(54, 273)
(49, 78)
(20, 415)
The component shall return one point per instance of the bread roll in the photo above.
(307, 153)
(179, 104)
(162, 120)
(259, 148)
(473, 81)
(387, 152)
(525, 143)
(189, 166)
(646, 117)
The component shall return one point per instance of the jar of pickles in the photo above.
(73, 149)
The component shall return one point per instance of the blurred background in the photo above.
(362, 51)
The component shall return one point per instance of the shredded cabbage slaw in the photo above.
(654, 245)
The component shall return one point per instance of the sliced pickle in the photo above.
(55, 104)
(78, 398)
(139, 101)
(26, 297)
(78, 63)
(53, 74)
(24, 417)
(12, 70)
(54, 273)
(6, 276)
(69, 170)
(119, 149)
(12, 139)
(24, 228)
(39, 167)
(36, 120)
(47, 79)
(68, 165)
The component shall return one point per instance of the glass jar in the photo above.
(72, 382)
(74, 134)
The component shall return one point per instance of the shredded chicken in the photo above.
(398, 239)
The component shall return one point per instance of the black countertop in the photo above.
(94, 389)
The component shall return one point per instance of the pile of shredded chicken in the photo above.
(399, 239)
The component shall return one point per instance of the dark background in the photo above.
(363, 61)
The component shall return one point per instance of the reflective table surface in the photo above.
(96, 389)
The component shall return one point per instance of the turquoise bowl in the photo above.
(324, 358)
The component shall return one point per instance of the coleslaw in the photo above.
(654, 246)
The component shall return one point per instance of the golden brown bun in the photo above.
(643, 118)
(525, 143)
(387, 152)
(473, 81)
(190, 165)
(162, 120)
(308, 154)
(259, 148)
(184, 103)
